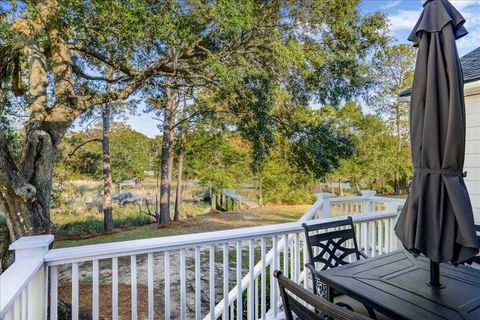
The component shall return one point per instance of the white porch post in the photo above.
(326, 207)
(370, 194)
(28, 250)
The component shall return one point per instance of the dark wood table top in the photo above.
(395, 285)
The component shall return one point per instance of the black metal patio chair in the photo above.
(299, 303)
(336, 247)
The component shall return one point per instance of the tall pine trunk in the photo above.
(107, 172)
(167, 152)
(178, 197)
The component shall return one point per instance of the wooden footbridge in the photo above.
(228, 200)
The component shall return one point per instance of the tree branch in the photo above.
(100, 57)
(78, 71)
(82, 144)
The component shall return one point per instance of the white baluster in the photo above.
(374, 238)
(212, 282)
(225, 282)
(167, 283)
(183, 286)
(387, 235)
(365, 237)
(198, 288)
(239, 280)
(53, 292)
(74, 291)
(285, 255)
(151, 312)
(256, 297)
(380, 237)
(251, 286)
(133, 285)
(392, 233)
(115, 288)
(274, 288)
(296, 263)
(95, 290)
(305, 261)
(27, 294)
(264, 278)
(19, 304)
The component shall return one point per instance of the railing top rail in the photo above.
(15, 279)
(388, 199)
(109, 250)
(350, 199)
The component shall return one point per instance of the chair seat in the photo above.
(358, 307)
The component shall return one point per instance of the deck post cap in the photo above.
(32, 242)
(324, 195)
(368, 193)
(31, 247)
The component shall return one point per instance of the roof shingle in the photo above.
(470, 65)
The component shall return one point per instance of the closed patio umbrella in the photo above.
(437, 219)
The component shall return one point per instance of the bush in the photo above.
(300, 196)
(92, 224)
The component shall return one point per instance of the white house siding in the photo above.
(472, 152)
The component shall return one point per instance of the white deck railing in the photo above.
(191, 276)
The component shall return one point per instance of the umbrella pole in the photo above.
(435, 275)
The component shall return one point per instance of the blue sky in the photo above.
(402, 14)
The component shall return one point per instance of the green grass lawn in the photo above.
(202, 223)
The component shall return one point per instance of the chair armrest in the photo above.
(312, 270)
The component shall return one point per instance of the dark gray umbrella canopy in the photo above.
(437, 219)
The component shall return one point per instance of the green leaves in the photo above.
(87, 160)
(318, 148)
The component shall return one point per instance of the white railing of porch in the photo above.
(183, 277)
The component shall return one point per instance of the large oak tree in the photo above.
(58, 51)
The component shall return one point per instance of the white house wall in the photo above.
(472, 152)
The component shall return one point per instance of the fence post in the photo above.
(326, 207)
(370, 195)
(26, 249)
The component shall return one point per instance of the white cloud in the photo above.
(403, 20)
(390, 4)
(462, 4)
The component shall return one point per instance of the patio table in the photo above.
(395, 284)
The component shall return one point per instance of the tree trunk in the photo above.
(167, 152)
(260, 190)
(7, 257)
(107, 172)
(178, 197)
(340, 188)
(26, 190)
(357, 187)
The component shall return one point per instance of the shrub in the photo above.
(300, 196)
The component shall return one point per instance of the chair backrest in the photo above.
(295, 296)
(335, 247)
